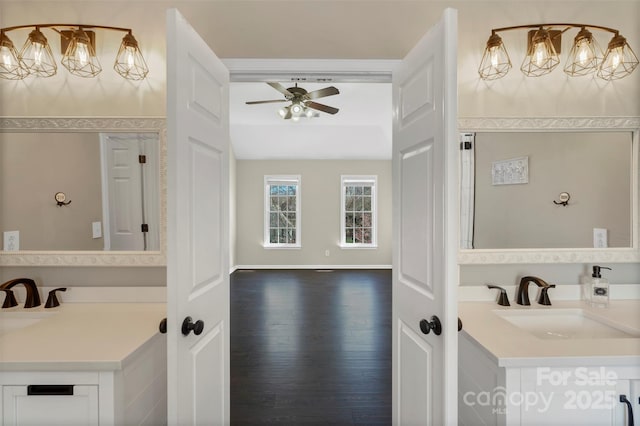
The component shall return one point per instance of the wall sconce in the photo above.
(543, 50)
(77, 43)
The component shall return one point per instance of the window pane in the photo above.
(348, 219)
(349, 235)
(366, 204)
(274, 203)
(273, 220)
(357, 218)
(367, 219)
(366, 235)
(348, 203)
(273, 236)
(358, 204)
(357, 235)
(291, 190)
(291, 217)
(358, 190)
(291, 236)
(282, 223)
(366, 190)
(291, 204)
(282, 201)
(282, 236)
(348, 190)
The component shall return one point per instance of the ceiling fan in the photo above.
(301, 101)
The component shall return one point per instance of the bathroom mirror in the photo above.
(549, 190)
(81, 190)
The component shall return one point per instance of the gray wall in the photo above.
(594, 168)
(34, 167)
(320, 213)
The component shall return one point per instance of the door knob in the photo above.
(188, 325)
(459, 324)
(435, 325)
(163, 326)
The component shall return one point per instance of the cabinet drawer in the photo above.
(51, 405)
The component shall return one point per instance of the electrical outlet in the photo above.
(600, 238)
(11, 240)
(327, 253)
(96, 229)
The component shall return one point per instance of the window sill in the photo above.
(282, 246)
(358, 246)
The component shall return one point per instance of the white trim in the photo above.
(238, 267)
(93, 258)
(358, 246)
(569, 255)
(282, 180)
(311, 70)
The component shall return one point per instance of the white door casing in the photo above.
(425, 226)
(197, 227)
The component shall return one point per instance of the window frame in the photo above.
(372, 180)
(270, 180)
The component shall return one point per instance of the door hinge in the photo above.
(145, 227)
(142, 159)
(465, 145)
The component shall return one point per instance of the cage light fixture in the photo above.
(543, 53)
(79, 56)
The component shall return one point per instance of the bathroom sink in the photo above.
(12, 321)
(563, 324)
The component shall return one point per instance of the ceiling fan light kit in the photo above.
(301, 101)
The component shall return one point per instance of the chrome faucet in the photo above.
(522, 297)
(33, 297)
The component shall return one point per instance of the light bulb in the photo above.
(540, 54)
(7, 59)
(494, 56)
(38, 53)
(584, 53)
(296, 109)
(282, 112)
(82, 54)
(309, 113)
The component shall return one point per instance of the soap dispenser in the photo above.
(599, 288)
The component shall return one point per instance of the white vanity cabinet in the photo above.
(91, 364)
(564, 392)
(62, 404)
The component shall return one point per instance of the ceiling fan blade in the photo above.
(265, 102)
(321, 93)
(320, 107)
(280, 88)
(288, 114)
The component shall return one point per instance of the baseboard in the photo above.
(311, 267)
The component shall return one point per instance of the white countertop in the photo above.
(79, 336)
(514, 347)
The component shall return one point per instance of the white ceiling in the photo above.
(360, 130)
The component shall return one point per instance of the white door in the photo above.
(425, 217)
(197, 228)
(129, 190)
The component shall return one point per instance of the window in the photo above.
(358, 220)
(282, 211)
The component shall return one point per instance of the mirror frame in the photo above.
(558, 255)
(93, 258)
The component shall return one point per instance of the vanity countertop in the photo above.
(79, 336)
(514, 347)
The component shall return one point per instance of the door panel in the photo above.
(425, 273)
(197, 227)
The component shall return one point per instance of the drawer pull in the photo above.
(56, 390)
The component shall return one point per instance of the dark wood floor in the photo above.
(311, 347)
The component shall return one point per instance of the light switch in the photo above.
(12, 240)
(600, 238)
(96, 228)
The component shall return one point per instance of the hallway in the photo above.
(311, 347)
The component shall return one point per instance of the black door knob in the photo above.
(188, 326)
(459, 324)
(163, 326)
(434, 324)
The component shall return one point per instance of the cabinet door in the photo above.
(579, 395)
(21, 408)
